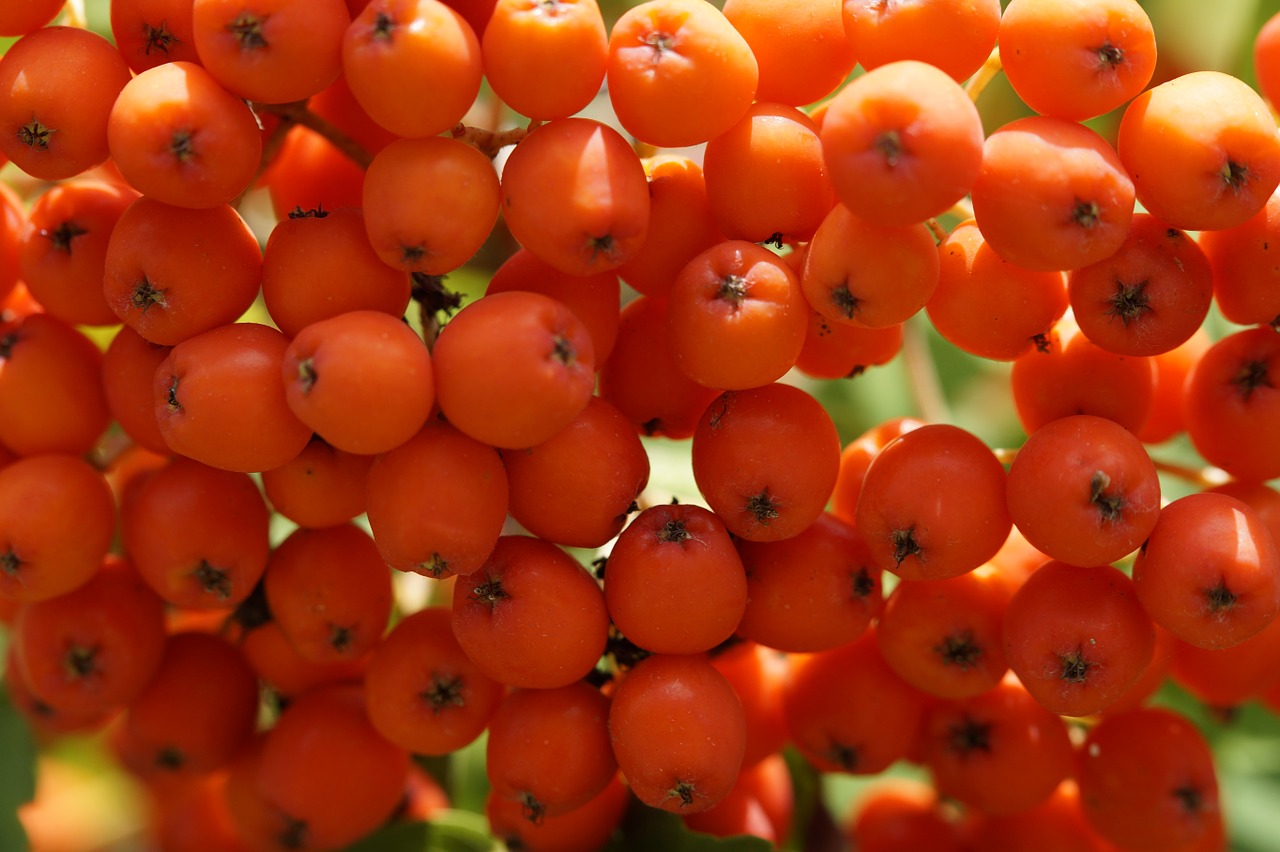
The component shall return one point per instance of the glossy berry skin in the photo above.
(678, 731)
(932, 504)
(674, 583)
(1083, 490)
(1077, 637)
(766, 460)
(1210, 572)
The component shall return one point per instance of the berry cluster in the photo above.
(289, 542)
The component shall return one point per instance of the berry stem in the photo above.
(298, 113)
(490, 142)
(984, 75)
(1201, 477)
(926, 387)
(110, 447)
(75, 15)
(271, 146)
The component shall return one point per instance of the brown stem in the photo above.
(272, 144)
(298, 113)
(490, 142)
(939, 232)
(270, 147)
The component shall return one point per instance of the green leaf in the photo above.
(399, 837)
(448, 831)
(468, 784)
(806, 789)
(842, 792)
(17, 773)
(646, 829)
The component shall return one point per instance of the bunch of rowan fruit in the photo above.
(289, 518)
